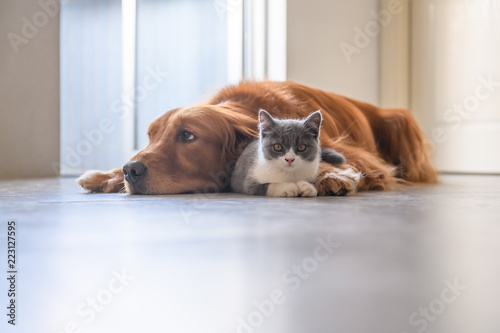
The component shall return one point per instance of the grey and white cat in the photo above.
(284, 160)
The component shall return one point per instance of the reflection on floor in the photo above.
(421, 259)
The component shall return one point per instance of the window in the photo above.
(126, 62)
(187, 42)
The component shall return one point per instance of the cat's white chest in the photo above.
(266, 171)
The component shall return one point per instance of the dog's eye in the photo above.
(187, 136)
(278, 147)
(301, 148)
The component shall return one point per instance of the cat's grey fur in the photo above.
(264, 170)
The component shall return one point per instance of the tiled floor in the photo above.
(426, 258)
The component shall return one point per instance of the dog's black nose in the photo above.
(133, 171)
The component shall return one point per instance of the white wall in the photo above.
(29, 90)
(456, 81)
(316, 30)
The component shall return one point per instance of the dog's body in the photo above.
(193, 149)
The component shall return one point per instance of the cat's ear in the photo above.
(313, 122)
(265, 120)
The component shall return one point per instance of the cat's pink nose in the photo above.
(290, 160)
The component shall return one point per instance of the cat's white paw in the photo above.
(307, 189)
(283, 190)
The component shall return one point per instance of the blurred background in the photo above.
(81, 80)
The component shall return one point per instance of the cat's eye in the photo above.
(186, 136)
(278, 147)
(301, 148)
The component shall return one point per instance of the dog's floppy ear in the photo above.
(244, 125)
(236, 130)
(244, 130)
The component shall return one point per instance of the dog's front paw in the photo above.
(102, 182)
(283, 190)
(337, 181)
(307, 189)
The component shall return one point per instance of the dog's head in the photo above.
(190, 149)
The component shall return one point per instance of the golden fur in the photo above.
(385, 145)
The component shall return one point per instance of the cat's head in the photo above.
(290, 143)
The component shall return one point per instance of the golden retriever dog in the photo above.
(193, 149)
